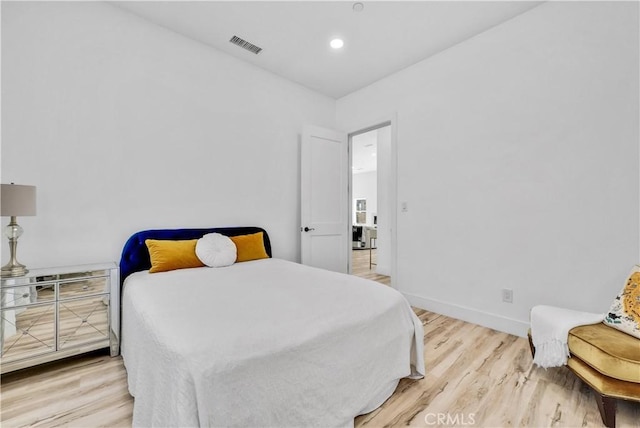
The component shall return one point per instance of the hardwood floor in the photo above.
(475, 377)
(86, 391)
(360, 266)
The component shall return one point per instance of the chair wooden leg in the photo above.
(533, 349)
(607, 407)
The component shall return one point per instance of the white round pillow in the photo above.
(216, 250)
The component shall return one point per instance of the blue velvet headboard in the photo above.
(135, 255)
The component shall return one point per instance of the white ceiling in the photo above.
(385, 37)
(364, 151)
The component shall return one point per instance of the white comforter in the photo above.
(264, 343)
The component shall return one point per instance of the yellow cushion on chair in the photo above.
(604, 385)
(611, 352)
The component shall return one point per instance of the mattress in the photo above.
(264, 343)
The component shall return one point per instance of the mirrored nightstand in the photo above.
(54, 313)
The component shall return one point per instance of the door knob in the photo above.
(307, 229)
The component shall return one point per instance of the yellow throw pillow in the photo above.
(250, 247)
(169, 255)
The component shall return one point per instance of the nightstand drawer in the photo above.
(83, 287)
(83, 321)
(27, 332)
(27, 294)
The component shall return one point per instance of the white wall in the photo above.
(123, 125)
(365, 186)
(518, 158)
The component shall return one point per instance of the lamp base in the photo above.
(13, 270)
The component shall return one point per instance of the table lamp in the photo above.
(16, 200)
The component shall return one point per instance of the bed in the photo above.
(259, 343)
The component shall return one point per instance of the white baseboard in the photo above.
(485, 319)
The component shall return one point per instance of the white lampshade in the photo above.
(17, 200)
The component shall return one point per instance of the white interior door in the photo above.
(324, 199)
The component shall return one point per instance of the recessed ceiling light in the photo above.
(357, 7)
(336, 43)
(373, 154)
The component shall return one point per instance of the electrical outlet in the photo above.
(507, 295)
(404, 207)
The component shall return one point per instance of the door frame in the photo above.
(388, 120)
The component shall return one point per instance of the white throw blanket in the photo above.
(550, 331)
(265, 343)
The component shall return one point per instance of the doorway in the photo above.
(371, 203)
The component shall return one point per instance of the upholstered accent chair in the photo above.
(607, 360)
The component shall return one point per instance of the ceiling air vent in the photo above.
(245, 45)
